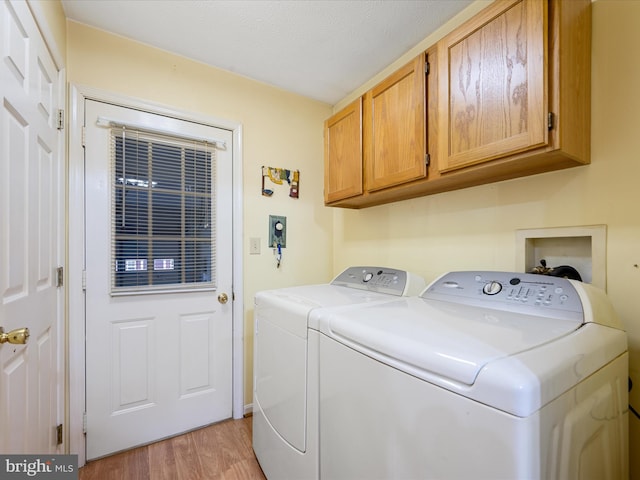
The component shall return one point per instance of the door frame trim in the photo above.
(76, 244)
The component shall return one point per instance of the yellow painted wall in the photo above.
(475, 228)
(280, 129)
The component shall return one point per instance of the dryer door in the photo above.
(280, 371)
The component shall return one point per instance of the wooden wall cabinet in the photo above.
(492, 97)
(516, 78)
(395, 128)
(508, 95)
(379, 140)
(343, 154)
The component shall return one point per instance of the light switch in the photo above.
(254, 246)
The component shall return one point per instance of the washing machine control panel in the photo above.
(377, 279)
(519, 292)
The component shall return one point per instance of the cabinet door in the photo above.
(492, 94)
(343, 153)
(395, 128)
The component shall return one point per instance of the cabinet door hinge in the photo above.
(60, 277)
(84, 136)
(427, 159)
(60, 119)
(84, 422)
(551, 121)
(84, 280)
(59, 434)
(427, 68)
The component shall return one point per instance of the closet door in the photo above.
(31, 238)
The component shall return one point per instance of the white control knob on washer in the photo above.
(492, 288)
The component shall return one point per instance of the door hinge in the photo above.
(59, 434)
(59, 277)
(551, 120)
(427, 159)
(84, 136)
(60, 119)
(84, 422)
(427, 68)
(84, 280)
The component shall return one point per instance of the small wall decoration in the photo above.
(279, 176)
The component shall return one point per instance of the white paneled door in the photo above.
(31, 237)
(158, 276)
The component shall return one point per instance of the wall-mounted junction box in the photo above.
(583, 248)
(277, 231)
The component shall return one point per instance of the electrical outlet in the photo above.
(277, 231)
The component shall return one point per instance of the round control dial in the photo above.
(492, 288)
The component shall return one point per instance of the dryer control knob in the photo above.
(492, 288)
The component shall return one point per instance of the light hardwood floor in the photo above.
(217, 452)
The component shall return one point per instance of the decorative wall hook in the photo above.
(279, 176)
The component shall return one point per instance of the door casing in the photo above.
(76, 260)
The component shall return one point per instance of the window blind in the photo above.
(163, 212)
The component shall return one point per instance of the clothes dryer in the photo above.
(285, 402)
(486, 375)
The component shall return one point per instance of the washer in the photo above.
(485, 375)
(285, 402)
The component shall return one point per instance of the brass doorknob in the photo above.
(19, 336)
(223, 298)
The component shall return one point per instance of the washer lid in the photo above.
(431, 338)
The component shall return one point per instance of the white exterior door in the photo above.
(31, 236)
(158, 331)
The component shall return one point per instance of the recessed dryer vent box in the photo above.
(583, 248)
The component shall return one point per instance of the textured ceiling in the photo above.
(322, 49)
